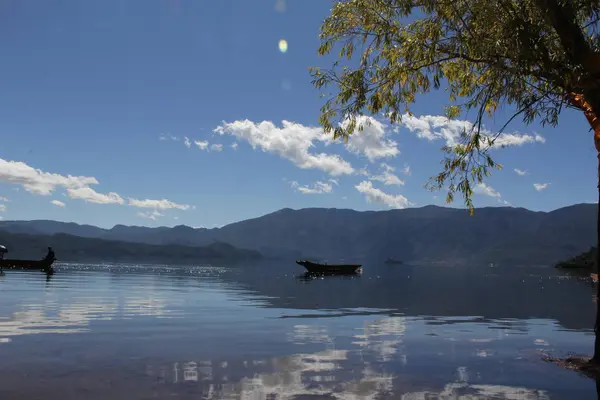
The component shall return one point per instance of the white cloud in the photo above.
(387, 176)
(318, 188)
(363, 171)
(4, 199)
(187, 142)
(202, 144)
(37, 181)
(2, 207)
(517, 139)
(486, 190)
(58, 203)
(435, 127)
(540, 186)
(520, 172)
(205, 145)
(374, 195)
(334, 181)
(216, 147)
(163, 204)
(407, 170)
(91, 196)
(290, 141)
(371, 140)
(168, 136)
(234, 145)
(150, 215)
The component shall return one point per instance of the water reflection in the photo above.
(320, 375)
(308, 277)
(202, 333)
(54, 317)
(462, 390)
(303, 334)
(290, 377)
(382, 336)
(50, 311)
(512, 294)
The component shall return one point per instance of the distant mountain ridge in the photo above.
(81, 249)
(427, 234)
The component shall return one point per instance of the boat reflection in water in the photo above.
(310, 276)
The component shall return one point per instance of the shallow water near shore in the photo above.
(268, 332)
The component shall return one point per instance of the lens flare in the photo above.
(283, 45)
(280, 6)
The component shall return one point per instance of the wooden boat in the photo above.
(330, 269)
(392, 261)
(44, 265)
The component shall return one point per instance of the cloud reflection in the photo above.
(54, 317)
(310, 374)
(303, 334)
(462, 390)
(322, 374)
(382, 336)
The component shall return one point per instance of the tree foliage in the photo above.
(537, 57)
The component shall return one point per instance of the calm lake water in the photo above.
(265, 332)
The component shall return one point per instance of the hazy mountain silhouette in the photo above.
(426, 234)
(75, 248)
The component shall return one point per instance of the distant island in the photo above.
(79, 249)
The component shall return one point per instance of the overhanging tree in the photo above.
(537, 57)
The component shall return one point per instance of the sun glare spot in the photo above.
(283, 45)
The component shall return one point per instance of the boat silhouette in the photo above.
(44, 265)
(330, 269)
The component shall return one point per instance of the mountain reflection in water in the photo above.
(260, 333)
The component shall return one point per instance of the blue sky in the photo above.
(97, 100)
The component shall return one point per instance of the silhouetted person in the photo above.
(50, 255)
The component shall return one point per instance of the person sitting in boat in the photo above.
(50, 255)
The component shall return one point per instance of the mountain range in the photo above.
(430, 234)
(77, 248)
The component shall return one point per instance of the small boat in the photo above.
(330, 269)
(390, 260)
(44, 265)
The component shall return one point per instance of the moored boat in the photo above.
(44, 265)
(330, 269)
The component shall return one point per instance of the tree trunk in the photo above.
(596, 357)
(561, 16)
(590, 104)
